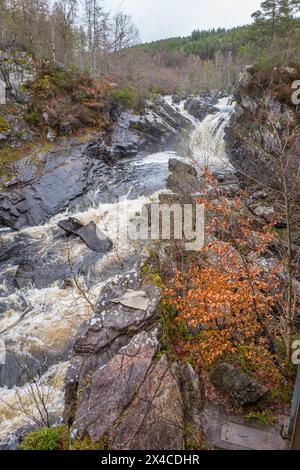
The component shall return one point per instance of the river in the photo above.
(40, 316)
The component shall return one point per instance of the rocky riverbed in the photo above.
(55, 279)
(80, 308)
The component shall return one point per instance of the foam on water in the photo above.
(207, 144)
(18, 408)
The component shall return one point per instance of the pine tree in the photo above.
(266, 19)
(275, 17)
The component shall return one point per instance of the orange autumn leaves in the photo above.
(227, 300)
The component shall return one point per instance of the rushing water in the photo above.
(207, 143)
(40, 320)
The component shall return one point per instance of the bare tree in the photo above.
(96, 27)
(62, 24)
(124, 32)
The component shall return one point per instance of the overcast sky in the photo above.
(167, 18)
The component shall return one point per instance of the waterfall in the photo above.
(207, 145)
(41, 320)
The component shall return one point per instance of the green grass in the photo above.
(57, 438)
(4, 125)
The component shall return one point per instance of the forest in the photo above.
(82, 36)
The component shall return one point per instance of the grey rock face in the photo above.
(44, 187)
(267, 213)
(176, 166)
(70, 225)
(183, 179)
(155, 419)
(94, 239)
(114, 385)
(238, 386)
(160, 127)
(200, 107)
(117, 386)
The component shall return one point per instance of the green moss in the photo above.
(263, 417)
(33, 117)
(8, 156)
(282, 232)
(87, 444)
(4, 126)
(173, 329)
(57, 438)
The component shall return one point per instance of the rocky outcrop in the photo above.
(264, 111)
(44, 186)
(183, 178)
(70, 225)
(160, 127)
(202, 106)
(118, 385)
(241, 388)
(16, 71)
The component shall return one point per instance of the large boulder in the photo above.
(177, 166)
(94, 238)
(200, 107)
(240, 387)
(183, 178)
(70, 225)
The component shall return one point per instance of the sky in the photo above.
(157, 19)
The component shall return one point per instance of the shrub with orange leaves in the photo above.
(228, 301)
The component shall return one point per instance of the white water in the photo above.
(207, 145)
(53, 313)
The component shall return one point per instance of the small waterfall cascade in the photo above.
(207, 145)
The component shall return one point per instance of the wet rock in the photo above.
(94, 238)
(137, 300)
(184, 183)
(200, 107)
(177, 166)
(70, 225)
(183, 179)
(44, 187)
(114, 386)
(51, 135)
(240, 387)
(267, 213)
(160, 127)
(155, 419)
(99, 150)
